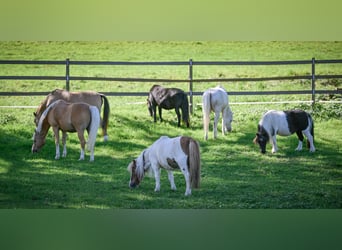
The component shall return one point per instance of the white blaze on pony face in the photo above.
(134, 181)
(38, 142)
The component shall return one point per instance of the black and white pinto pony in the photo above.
(168, 98)
(179, 153)
(216, 100)
(285, 123)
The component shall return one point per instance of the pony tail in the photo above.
(94, 125)
(106, 110)
(194, 164)
(206, 110)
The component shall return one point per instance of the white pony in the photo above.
(285, 123)
(216, 99)
(171, 154)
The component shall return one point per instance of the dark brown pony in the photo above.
(89, 97)
(168, 98)
(68, 117)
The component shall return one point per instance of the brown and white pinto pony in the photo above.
(68, 117)
(179, 153)
(90, 97)
(285, 123)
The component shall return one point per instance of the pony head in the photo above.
(227, 119)
(135, 178)
(38, 141)
(137, 168)
(261, 139)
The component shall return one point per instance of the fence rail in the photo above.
(68, 63)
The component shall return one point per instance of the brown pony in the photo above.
(68, 117)
(90, 97)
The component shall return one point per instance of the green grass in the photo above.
(234, 173)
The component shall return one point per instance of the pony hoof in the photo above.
(105, 138)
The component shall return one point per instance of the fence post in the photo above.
(190, 87)
(67, 74)
(313, 85)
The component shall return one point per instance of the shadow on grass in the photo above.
(234, 173)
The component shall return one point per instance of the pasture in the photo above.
(234, 173)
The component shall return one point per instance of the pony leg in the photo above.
(171, 179)
(56, 133)
(224, 129)
(310, 139)
(178, 116)
(64, 144)
(160, 113)
(82, 142)
(274, 144)
(300, 143)
(186, 174)
(154, 113)
(216, 118)
(157, 179)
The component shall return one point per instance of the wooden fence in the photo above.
(190, 64)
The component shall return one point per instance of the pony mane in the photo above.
(43, 116)
(143, 165)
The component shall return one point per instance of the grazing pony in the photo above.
(216, 99)
(171, 154)
(285, 123)
(68, 117)
(89, 97)
(168, 98)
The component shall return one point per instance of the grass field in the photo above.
(234, 173)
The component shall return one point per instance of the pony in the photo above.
(216, 99)
(68, 117)
(89, 97)
(285, 123)
(168, 98)
(170, 154)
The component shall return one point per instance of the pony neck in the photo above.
(44, 128)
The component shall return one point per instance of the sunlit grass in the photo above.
(234, 173)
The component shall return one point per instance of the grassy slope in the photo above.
(234, 173)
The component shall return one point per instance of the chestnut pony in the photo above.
(68, 117)
(90, 97)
